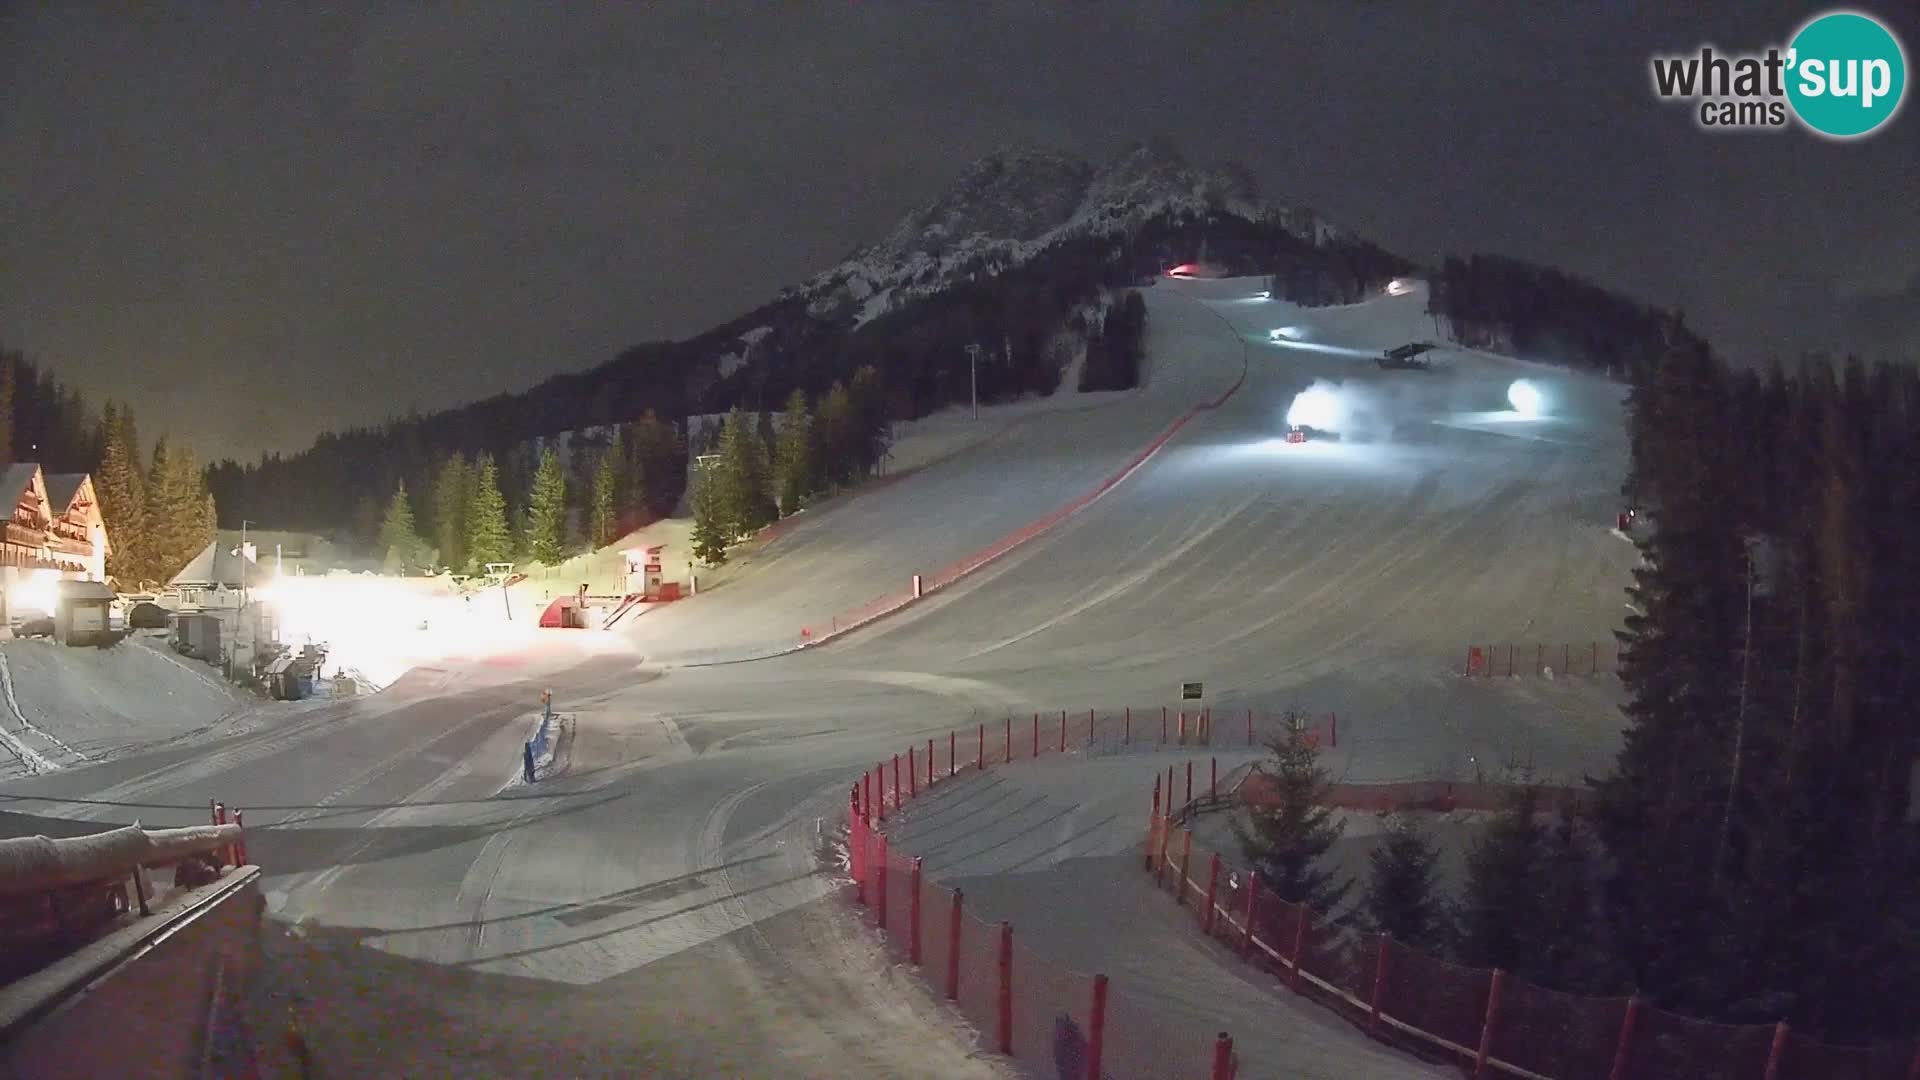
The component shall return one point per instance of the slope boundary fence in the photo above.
(1488, 1020)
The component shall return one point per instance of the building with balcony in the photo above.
(54, 531)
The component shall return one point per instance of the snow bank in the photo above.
(31, 864)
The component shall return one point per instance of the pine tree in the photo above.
(547, 511)
(606, 482)
(1500, 915)
(116, 484)
(1285, 838)
(835, 440)
(452, 496)
(710, 529)
(658, 474)
(793, 463)
(171, 513)
(399, 538)
(1400, 900)
(488, 538)
(741, 474)
(7, 375)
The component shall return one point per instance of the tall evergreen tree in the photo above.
(488, 538)
(1285, 838)
(547, 511)
(711, 530)
(793, 460)
(741, 477)
(1400, 898)
(452, 498)
(603, 518)
(116, 484)
(836, 440)
(399, 537)
(8, 366)
(1500, 915)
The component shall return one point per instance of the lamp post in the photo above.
(973, 376)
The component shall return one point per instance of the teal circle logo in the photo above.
(1846, 74)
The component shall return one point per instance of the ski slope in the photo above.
(675, 866)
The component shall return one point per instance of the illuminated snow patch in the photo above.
(1525, 398)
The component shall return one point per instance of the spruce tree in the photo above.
(744, 499)
(115, 484)
(488, 538)
(603, 518)
(835, 440)
(7, 405)
(1500, 915)
(793, 463)
(547, 511)
(399, 538)
(452, 496)
(710, 529)
(1400, 899)
(1285, 837)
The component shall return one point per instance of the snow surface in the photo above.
(1343, 576)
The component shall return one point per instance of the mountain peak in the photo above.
(1017, 200)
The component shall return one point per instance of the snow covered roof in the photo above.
(62, 487)
(16, 479)
(218, 565)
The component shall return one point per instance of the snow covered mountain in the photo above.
(1014, 204)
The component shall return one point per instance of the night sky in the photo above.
(261, 223)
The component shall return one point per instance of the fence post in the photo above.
(1333, 728)
(1092, 725)
(1126, 738)
(1063, 731)
(980, 752)
(1624, 1047)
(240, 845)
(952, 744)
(953, 949)
(1186, 867)
(1213, 884)
(880, 788)
(1213, 778)
(1183, 727)
(1163, 724)
(1097, 1027)
(1300, 943)
(881, 893)
(930, 760)
(1036, 734)
(1379, 987)
(1249, 729)
(913, 916)
(1153, 819)
(1222, 1057)
(1486, 1027)
(1775, 1051)
(896, 781)
(866, 800)
(1166, 837)
(913, 774)
(857, 847)
(1189, 800)
(1253, 901)
(1009, 738)
(1006, 989)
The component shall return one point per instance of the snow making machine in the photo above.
(1409, 357)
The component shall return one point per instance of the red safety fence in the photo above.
(1047, 1016)
(1538, 660)
(924, 584)
(1488, 1019)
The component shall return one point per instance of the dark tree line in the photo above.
(1760, 815)
(1506, 305)
(157, 507)
(1115, 346)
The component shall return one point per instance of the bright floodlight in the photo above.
(1315, 407)
(1397, 287)
(1524, 397)
(1287, 333)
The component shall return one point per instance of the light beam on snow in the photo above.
(1316, 407)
